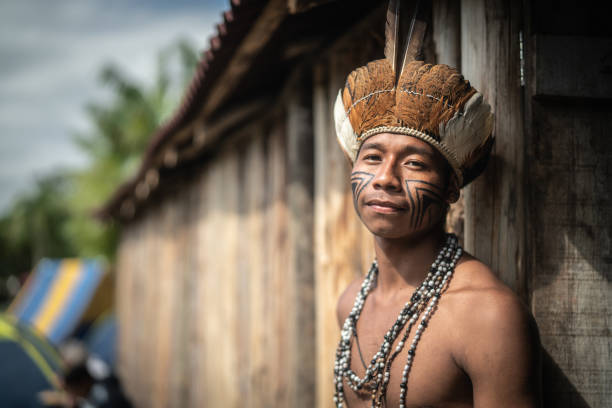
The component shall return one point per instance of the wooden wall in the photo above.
(569, 111)
(227, 287)
(209, 304)
(540, 215)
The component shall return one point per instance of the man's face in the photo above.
(399, 186)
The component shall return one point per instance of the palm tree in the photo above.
(120, 133)
(56, 219)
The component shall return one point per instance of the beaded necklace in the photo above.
(424, 298)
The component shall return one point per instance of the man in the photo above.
(429, 325)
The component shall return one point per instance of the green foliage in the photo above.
(56, 219)
(34, 226)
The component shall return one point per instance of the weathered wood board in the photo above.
(573, 66)
(571, 244)
(495, 202)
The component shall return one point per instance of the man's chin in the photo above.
(394, 232)
(390, 231)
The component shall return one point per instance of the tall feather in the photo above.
(393, 43)
(416, 34)
(404, 32)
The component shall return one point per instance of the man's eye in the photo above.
(372, 157)
(414, 163)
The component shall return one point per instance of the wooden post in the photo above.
(495, 202)
(255, 228)
(446, 16)
(300, 179)
(447, 49)
(278, 303)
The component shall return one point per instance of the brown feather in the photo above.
(393, 49)
(368, 96)
(416, 33)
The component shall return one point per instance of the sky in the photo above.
(51, 53)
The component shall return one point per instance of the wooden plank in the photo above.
(227, 191)
(149, 310)
(211, 330)
(124, 282)
(446, 16)
(136, 296)
(495, 202)
(324, 327)
(579, 67)
(219, 300)
(571, 259)
(185, 275)
(278, 306)
(255, 197)
(194, 354)
(299, 159)
(242, 323)
(198, 389)
(165, 270)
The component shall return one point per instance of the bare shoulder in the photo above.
(347, 299)
(481, 301)
(496, 342)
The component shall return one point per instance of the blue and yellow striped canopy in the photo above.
(57, 294)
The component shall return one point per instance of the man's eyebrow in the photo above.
(417, 150)
(373, 145)
(405, 151)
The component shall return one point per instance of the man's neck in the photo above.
(403, 263)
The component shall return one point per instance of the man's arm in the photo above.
(502, 357)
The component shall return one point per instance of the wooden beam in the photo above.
(265, 26)
(300, 6)
(206, 135)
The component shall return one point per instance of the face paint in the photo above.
(398, 186)
(359, 180)
(425, 201)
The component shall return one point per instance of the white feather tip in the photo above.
(468, 130)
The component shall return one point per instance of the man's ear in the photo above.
(452, 190)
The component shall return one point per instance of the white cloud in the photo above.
(50, 56)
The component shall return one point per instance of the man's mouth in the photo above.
(386, 207)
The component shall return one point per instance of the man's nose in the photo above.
(387, 177)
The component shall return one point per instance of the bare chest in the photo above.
(434, 380)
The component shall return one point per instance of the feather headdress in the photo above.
(402, 95)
